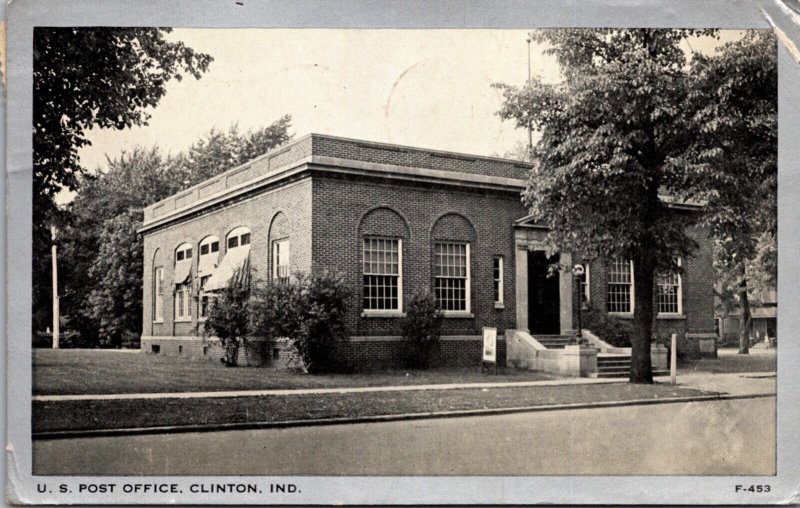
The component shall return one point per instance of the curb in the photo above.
(176, 429)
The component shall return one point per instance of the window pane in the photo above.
(450, 271)
(188, 253)
(215, 246)
(245, 239)
(204, 249)
(179, 255)
(233, 242)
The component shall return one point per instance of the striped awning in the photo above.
(235, 266)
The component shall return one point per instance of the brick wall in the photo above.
(344, 209)
(286, 208)
(697, 284)
(417, 157)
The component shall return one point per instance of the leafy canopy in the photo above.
(733, 160)
(96, 77)
(608, 131)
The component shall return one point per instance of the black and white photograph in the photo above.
(264, 257)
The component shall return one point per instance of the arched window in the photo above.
(452, 237)
(279, 239)
(183, 284)
(207, 262)
(238, 238)
(382, 231)
(236, 263)
(158, 288)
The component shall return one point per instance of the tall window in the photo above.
(668, 296)
(238, 237)
(205, 298)
(451, 276)
(383, 274)
(280, 261)
(158, 294)
(183, 309)
(584, 283)
(183, 284)
(497, 276)
(620, 286)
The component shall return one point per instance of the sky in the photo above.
(425, 88)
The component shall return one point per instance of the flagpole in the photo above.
(56, 320)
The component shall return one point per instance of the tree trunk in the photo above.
(745, 320)
(232, 352)
(641, 364)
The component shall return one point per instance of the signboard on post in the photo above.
(489, 348)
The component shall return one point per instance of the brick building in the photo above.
(394, 220)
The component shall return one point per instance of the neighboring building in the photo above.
(763, 311)
(394, 220)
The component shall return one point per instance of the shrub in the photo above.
(309, 311)
(422, 327)
(228, 319)
(616, 332)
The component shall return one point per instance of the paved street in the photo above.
(719, 437)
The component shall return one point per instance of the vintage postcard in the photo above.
(402, 253)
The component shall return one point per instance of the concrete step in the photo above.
(553, 341)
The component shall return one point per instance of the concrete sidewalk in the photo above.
(738, 384)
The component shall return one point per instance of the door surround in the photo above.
(531, 237)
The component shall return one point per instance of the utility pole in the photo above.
(55, 288)
(530, 134)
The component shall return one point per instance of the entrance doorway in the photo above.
(543, 295)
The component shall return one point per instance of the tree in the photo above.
(115, 300)
(310, 311)
(218, 150)
(84, 78)
(609, 131)
(228, 318)
(422, 327)
(733, 109)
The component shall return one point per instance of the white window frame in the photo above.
(467, 312)
(203, 295)
(587, 282)
(209, 240)
(384, 312)
(186, 250)
(285, 257)
(633, 294)
(183, 314)
(499, 281)
(679, 295)
(158, 294)
(238, 233)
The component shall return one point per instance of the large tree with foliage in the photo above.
(84, 78)
(733, 166)
(609, 131)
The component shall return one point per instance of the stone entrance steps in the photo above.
(615, 365)
(553, 341)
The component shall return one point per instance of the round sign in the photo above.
(577, 269)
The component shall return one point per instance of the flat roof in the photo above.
(338, 154)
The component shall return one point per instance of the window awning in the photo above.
(182, 271)
(236, 263)
(207, 264)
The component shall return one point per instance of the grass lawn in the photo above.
(62, 372)
(728, 361)
(83, 415)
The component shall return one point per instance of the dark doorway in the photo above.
(543, 295)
